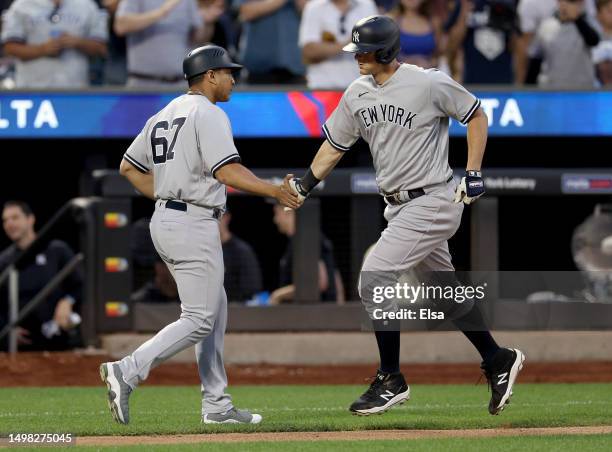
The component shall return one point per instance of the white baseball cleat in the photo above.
(233, 416)
(118, 391)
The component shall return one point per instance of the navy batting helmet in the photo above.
(378, 34)
(205, 58)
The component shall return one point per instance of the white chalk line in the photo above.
(267, 409)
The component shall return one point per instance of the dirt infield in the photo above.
(336, 436)
(77, 369)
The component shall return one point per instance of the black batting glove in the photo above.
(471, 187)
(297, 186)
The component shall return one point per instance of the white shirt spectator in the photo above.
(602, 58)
(533, 12)
(603, 52)
(322, 21)
(567, 58)
(34, 22)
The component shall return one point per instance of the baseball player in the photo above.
(403, 112)
(183, 158)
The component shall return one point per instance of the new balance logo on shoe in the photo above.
(388, 394)
(386, 391)
(503, 378)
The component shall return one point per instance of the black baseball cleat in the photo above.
(501, 374)
(385, 391)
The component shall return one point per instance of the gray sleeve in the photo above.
(138, 153)
(452, 99)
(97, 24)
(215, 140)
(341, 129)
(128, 7)
(13, 26)
(194, 15)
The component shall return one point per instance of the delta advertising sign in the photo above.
(97, 114)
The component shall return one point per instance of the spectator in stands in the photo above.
(330, 282)
(531, 14)
(115, 68)
(219, 25)
(484, 32)
(269, 42)
(602, 53)
(53, 40)
(420, 33)
(7, 66)
(242, 272)
(565, 41)
(158, 37)
(161, 289)
(326, 28)
(4, 5)
(53, 324)
(156, 283)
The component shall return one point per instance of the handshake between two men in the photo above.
(470, 188)
(294, 186)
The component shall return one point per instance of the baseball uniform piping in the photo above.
(139, 166)
(471, 112)
(229, 159)
(331, 140)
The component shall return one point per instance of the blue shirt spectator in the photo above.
(485, 33)
(420, 32)
(219, 25)
(269, 44)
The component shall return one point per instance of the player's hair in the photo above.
(601, 3)
(24, 206)
(195, 80)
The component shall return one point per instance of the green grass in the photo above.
(167, 410)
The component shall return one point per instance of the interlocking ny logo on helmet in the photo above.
(378, 34)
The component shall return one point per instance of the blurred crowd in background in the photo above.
(54, 323)
(141, 43)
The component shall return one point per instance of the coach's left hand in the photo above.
(471, 187)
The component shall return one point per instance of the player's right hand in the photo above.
(288, 197)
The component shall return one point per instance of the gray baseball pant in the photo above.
(189, 244)
(417, 234)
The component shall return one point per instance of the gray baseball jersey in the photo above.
(184, 144)
(405, 121)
